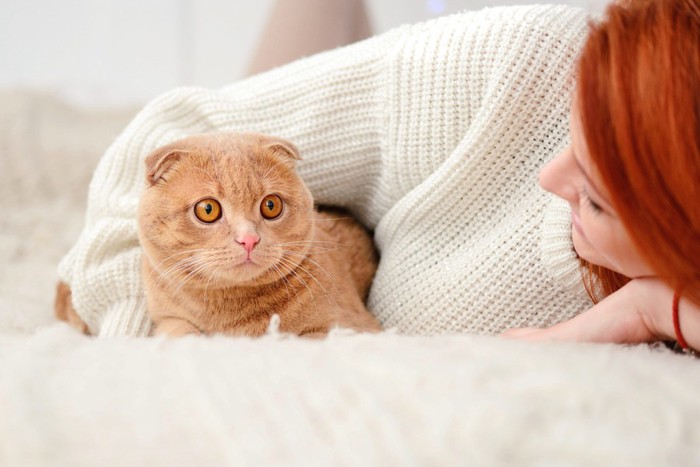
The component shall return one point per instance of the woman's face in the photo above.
(598, 234)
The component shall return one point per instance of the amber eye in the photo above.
(271, 206)
(208, 210)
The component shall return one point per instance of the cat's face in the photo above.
(225, 209)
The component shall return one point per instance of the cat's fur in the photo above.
(311, 269)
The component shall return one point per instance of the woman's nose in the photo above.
(558, 176)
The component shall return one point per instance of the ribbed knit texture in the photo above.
(432, 134)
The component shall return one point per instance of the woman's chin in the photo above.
(586, 252)
(584, 249)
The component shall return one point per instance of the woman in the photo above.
(432, 135)
(631, 176)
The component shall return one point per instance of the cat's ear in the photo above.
(160, 161)
(285, 148)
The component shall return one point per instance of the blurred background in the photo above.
(122, 53)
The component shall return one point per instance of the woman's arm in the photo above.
(639, 312)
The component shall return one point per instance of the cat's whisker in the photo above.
(157, 266)
(179, 262)
(286, 284)
(325, 292)
(313, 246)
(206, 287)
(185, 280)
(330, 218)
(269, 170)
(330, 278)
(310, 241)
(308, 249)
(173, 271)
(298, 278)
(183, 265)
(170, 273)
(205, 172)
(198, 267)
(327, 245)
(293, 265)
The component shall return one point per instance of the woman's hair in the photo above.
(639, 102)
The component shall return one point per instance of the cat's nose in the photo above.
(248, 241)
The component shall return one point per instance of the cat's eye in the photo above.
(208, 210)
(271, 207)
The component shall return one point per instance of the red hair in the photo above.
(639, 102)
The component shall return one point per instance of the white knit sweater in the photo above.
(432, 134)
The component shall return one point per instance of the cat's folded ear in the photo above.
(284, 148)
(160, 161)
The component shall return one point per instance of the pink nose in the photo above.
(248, 241)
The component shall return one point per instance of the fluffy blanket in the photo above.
(67, 399)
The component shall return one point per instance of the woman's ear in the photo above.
(160, 161)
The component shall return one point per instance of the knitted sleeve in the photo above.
(477, 107)
(395, 128)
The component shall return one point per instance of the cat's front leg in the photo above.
(175, 327)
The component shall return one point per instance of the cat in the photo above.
(230, 237)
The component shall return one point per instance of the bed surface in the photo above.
(68, 399)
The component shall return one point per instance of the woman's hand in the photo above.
(641, 311)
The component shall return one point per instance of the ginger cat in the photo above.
(230, 237)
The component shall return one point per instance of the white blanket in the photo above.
(71, 400)
(349, 400)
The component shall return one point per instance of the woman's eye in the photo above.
(208, 210)
(271, 207)
(595, 207)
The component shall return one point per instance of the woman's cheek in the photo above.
(595, 238)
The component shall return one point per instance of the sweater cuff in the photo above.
(558, 255)
(127, 317)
